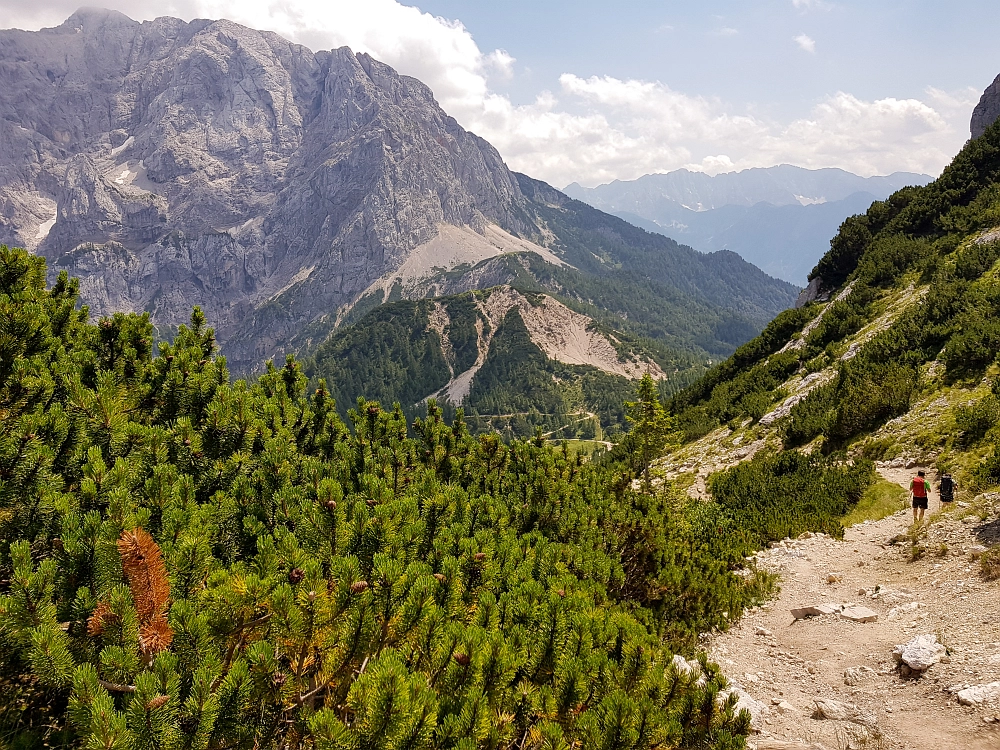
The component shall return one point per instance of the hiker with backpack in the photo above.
(920, 490)
(947, 488)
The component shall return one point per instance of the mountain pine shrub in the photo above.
(191, 562)
(776, 496)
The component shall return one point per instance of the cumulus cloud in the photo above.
(634, 127)
(806, 42)
(592, 129)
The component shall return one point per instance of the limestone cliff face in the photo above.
(168, 164)
(988, 110)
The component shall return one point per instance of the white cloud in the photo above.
(727, 31)
(588, 129)
(812, 4)
(629, 128)
(805, 42)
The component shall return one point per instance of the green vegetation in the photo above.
(652, 429)
(881, 499)
(989, 564)
(976, 419)
(773, 497)
(925, 235)
(651, 308)
(744, 383)
(394, 355)
(190, 562)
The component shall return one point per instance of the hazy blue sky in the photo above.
(872, 49)
(592, 91)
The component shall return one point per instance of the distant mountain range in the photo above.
(779, 218)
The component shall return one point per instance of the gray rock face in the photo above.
(168, 164)
(988, 110)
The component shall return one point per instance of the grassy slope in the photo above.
(906, 354)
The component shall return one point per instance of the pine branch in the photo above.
(114, 687)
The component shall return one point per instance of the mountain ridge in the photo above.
(783, 184)
(749, 212)
(217, 165)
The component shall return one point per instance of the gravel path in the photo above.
(778, 659)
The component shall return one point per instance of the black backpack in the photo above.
(947, 487)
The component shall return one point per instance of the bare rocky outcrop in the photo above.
(988, 109)
(562, 334)
(170, 163)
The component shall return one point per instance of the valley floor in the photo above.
(778, 659)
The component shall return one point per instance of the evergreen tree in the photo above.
(652, 428)
(190, 562)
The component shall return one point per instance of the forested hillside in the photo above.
(187, 561)
(902, 359)
(657, 302)
(563, 371)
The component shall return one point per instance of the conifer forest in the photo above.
(192, 562)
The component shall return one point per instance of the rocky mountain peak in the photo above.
(988, 110)
(170, 163)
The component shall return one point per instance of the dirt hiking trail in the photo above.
(787, 664)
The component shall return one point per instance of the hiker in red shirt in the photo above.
(920, 488)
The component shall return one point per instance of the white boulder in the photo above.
(897, 612)
(854, 676)
(859, 614)
(758, 711)
(921, 653)
(827, 708)
(829, 608)
(977, 695)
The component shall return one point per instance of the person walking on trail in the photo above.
(947, 488)
(920, 488)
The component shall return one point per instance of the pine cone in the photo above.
(462, 659)
(279, 679)
(479, 556)
(440, 577)
(331, 505)
(57, 544)
(295, 576)
(157, 702)
(561, 592)
(359, 587)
